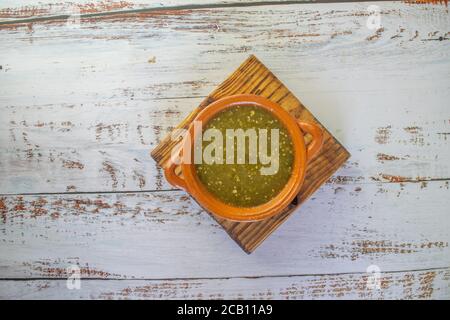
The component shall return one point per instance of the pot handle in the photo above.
(172, 177)
(317, 138)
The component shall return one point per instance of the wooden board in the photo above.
(253, 77)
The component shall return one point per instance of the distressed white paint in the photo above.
(407, 285)
(60, 148)
(79, 95)
(90, 95)
(13, 10)
(165, 234)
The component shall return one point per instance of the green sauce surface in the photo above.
(243, 185)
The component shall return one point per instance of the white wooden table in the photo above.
(82, 105)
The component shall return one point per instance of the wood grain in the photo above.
(253, 77)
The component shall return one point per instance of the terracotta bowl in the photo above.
(189, 181)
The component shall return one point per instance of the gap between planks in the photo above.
(175, 190)
(229, 278)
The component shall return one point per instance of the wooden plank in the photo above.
(343, 228)
(421, 284)
(58, 148)
(11, 10)
(27, 10)
(253, 77)
(90, 111)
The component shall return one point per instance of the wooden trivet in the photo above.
(255, 78)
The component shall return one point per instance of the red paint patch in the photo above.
(108, 167)
(3, 209)
(435, 2)
(393, 178)
(104, 6)
(37, 208)
(375, 36)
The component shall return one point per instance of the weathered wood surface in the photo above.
(343, 228)
(13, 10)
(76, 104)
(253, 77)
(431, 284)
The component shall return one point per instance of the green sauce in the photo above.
(244, 185)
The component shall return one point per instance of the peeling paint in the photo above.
(139, 177)
(70, 164)
(109, 168)
(357, 249)
(383, 135)
(394, 178)
(3, 210)
(58, 269)
(381, 157)
(375, 36)
(414, 285)
(345, 179)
